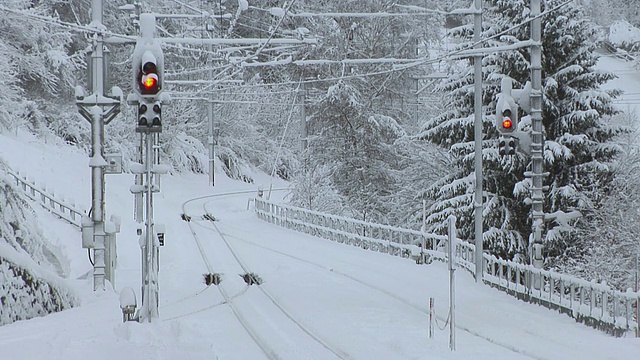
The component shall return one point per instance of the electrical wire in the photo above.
(446, 56)
(419, 62)
(70, 26)
(284, 135)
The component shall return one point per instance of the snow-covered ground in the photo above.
(321, 300)
(628, 80)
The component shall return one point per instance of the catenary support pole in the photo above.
(99, 109)
(211, 139)
(537, 141)
(303, 117)
(477, 107)
(102, 251)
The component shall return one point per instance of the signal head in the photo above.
(142, 115)
(148, 73)
(157, 113)
(512, 147)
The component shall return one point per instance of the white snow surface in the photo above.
(628, 80)
(360, 304)
(622, 33)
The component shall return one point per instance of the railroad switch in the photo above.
(251, 279)
(214, 279)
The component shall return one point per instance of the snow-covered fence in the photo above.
(383, 238)
(597, 305)
(58, 207)
(388, 239)
(594, 304)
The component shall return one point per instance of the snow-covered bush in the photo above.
(186, 153)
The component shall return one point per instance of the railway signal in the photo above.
(506, 146)
(506, 109)
(149, 74)
(149, 116)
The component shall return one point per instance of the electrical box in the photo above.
(86, 227)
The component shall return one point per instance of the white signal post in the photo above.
(148, 96)
(451, 251)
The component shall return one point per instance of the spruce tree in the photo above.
(577, 148)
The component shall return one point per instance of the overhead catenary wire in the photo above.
(418, 62)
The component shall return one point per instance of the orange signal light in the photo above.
(507, 124)
(149, 82)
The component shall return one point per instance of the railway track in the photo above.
(207, 222)
(387, 293)
(240, 311)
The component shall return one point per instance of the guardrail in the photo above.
(619, 53)
(60, 208)
(376, 237)
(597, 305)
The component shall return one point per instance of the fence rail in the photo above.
(60, 208)
(597, 305)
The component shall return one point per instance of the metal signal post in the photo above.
(148, 68)
(537, 141)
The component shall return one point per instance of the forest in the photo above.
(371, 120)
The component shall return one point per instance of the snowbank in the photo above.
(623, 34)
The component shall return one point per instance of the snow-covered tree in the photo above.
(608, 239)
(604, 12)
(577, 147)
(357, 145)
(356, 117)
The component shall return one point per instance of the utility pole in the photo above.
(537, 140)
(477, 107)
(211, 138)
(99, 110)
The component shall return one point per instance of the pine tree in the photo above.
(577, 147)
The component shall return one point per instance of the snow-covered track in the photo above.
(239, 311)
(422, 310)
(228, 300)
